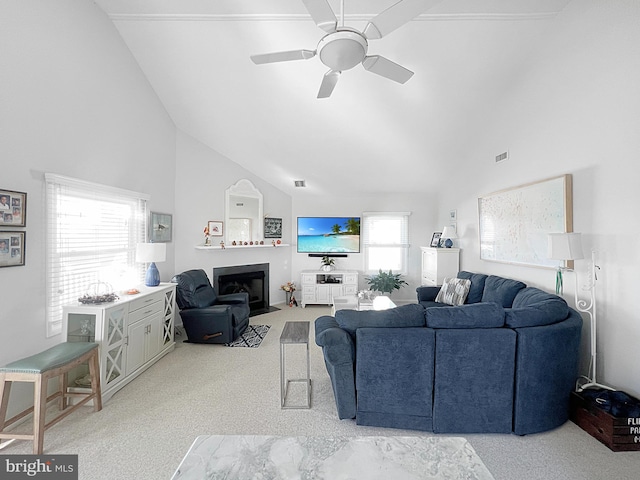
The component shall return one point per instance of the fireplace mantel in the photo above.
(238, 247)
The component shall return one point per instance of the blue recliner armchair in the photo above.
(208, 317)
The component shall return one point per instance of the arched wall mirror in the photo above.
(243, 213)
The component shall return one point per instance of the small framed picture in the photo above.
(12, 245)
(272, 227)
(215, 228)
(160, 227)
(435, 239)
(13, 208)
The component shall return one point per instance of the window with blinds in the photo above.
(386, 241)
(92, 232)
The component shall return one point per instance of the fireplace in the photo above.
(253, 279)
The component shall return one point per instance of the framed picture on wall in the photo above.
(12, 247)
(215, 228)
(160, 227)
(272, 227)
(13, 208)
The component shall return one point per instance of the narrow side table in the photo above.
(294, 333)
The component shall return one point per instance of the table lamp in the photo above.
(448, 233)
(151, 253)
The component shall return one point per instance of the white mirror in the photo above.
(243, 213)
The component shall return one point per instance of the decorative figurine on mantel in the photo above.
(207, 238)
(222, 244)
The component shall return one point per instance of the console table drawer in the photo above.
(145, 312)
(145, 300)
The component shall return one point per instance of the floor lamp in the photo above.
(568, 247)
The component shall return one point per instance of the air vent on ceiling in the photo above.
(299, 183)
(502, 157)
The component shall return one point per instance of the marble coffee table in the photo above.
(245, 457)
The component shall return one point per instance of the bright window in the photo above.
(92, 232)
(386, 241)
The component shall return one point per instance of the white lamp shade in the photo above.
(565, 246)
(151, 252)
(449, 232)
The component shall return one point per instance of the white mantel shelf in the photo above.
(239, 247)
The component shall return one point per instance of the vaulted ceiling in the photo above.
(465, 54)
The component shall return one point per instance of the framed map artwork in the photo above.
(514, 223)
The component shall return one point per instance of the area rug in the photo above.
(252, 337)
(238, 457)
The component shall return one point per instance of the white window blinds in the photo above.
(92, 232)
(386, 241)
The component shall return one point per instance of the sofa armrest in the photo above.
(233, 298)
(339, 358)
(427, 294)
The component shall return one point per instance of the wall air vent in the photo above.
(299, 183)
(502, 157)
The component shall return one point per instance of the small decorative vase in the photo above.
(207, 240)
(327, 268)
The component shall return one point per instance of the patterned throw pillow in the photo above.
(454, 291)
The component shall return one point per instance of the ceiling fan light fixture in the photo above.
(342, 50)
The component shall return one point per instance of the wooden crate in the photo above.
(620, 434)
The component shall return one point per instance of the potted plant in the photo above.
(385, 281)
(327, 263)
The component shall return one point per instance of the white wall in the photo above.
(202, 177)
(575, 109)
(74, 102)
(422, 224)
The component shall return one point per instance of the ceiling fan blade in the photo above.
(282, 56)
(321, 12)
(328, 83)
(386, 68)
(395, 16)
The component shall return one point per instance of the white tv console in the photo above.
(320, 287)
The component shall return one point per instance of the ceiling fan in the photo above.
(342, 48)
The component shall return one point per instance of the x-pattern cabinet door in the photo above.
(169, 315)
(113, 347)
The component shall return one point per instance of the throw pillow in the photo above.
(454, 291)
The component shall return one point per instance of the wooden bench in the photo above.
(38, 369)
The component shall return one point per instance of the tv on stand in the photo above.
(331, 236)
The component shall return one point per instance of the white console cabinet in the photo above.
(133, 332)
(438, 263)
(321, 287)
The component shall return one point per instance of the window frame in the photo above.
(369, 243)
(71, 260)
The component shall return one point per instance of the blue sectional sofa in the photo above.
(506, 360)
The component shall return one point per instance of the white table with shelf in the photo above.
(133, 333)
(321, 287)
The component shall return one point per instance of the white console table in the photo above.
(133, 332)
(322, 287)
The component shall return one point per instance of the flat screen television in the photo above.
(328, 235)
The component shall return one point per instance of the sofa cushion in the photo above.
(477, 315)
(501, 290)
(454, 291)
(477, 285)
(533, 307)
(411, 315)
